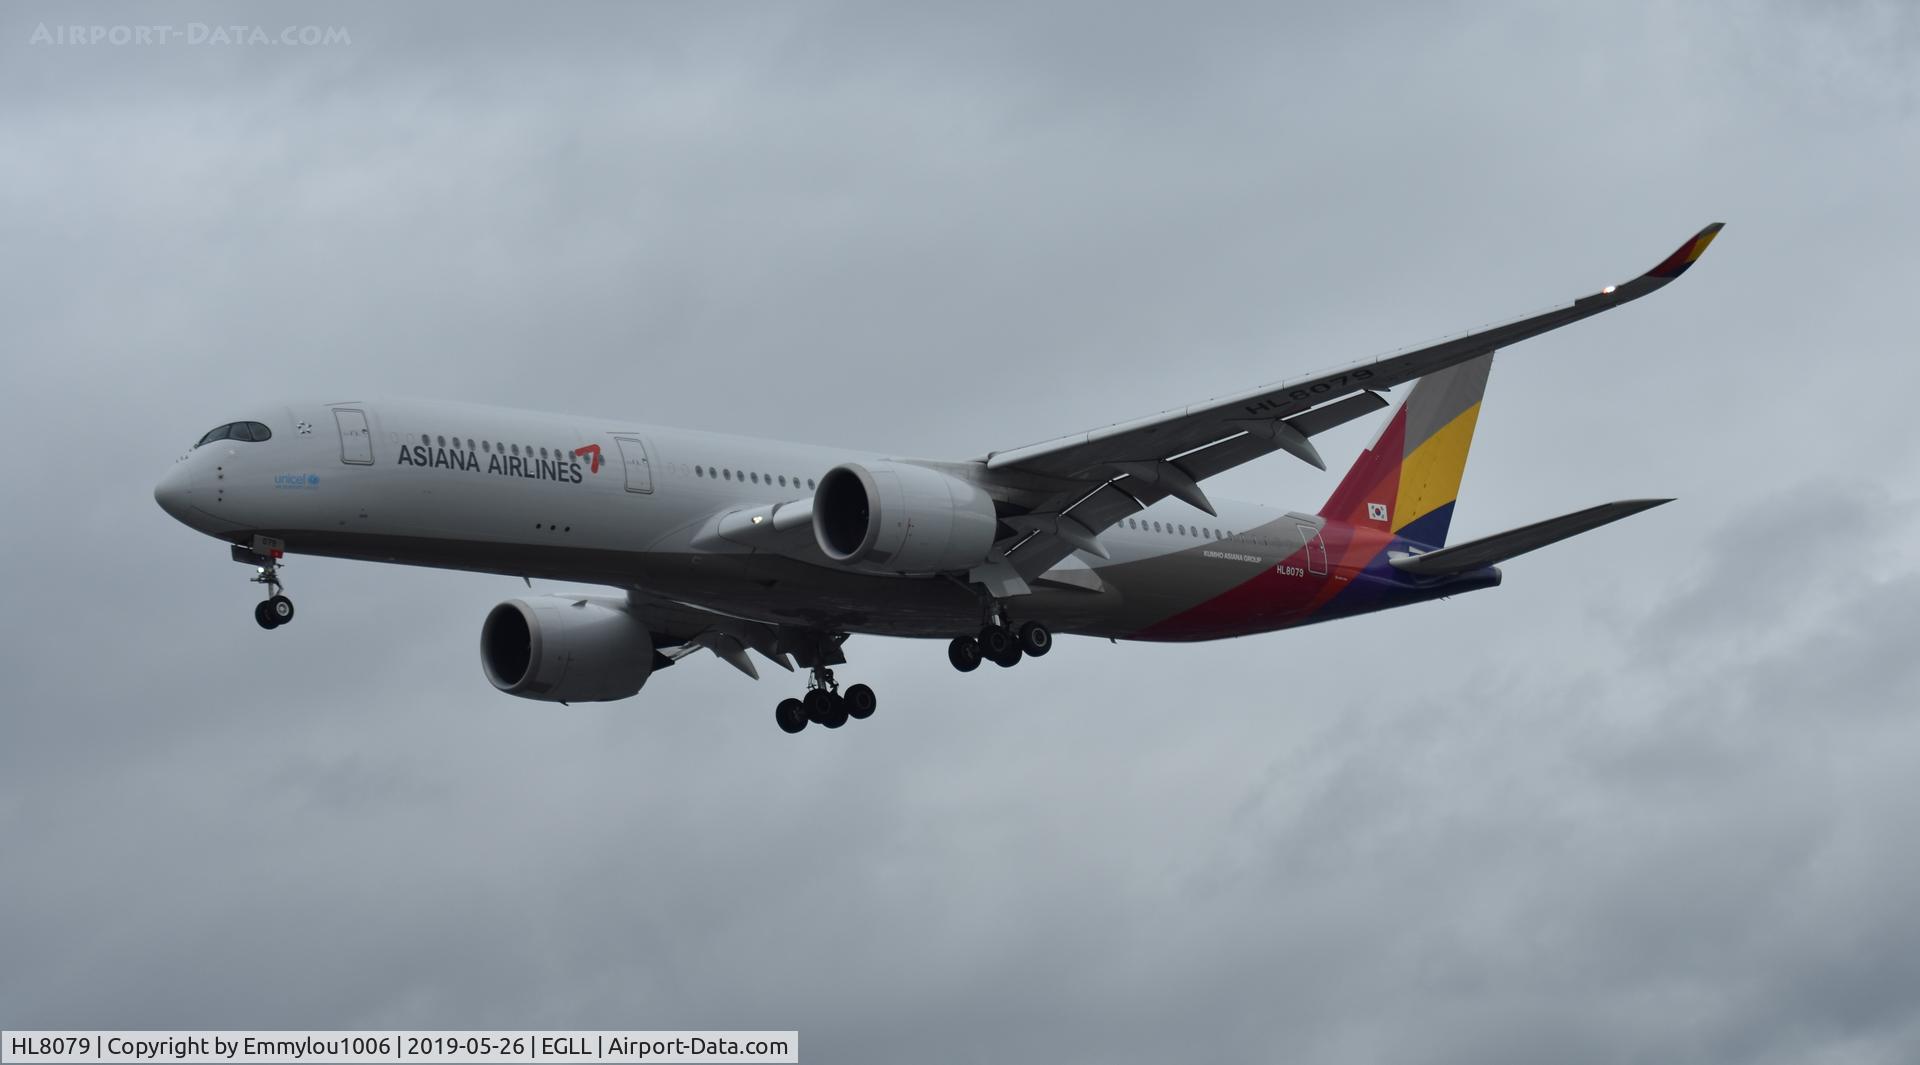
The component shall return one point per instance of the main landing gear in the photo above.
(1000, 645)
(825, 704)
(276, 610)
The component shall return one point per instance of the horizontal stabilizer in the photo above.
(1475, 554)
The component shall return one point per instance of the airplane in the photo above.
(747, 547)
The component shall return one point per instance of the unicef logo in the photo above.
(313, 480)
(299, 481)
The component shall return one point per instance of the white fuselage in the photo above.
(514, 492)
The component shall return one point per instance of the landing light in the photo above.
(1608, 291)
(757, 519)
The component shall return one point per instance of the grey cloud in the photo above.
(1643, 802)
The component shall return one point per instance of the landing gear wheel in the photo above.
(264, 616)
(859, 701)
(1010, 659)
(281, 608)
(1035, 640)
(836, 712)
(964, 653)
(995, 642)
(791, 715)
(817, 704)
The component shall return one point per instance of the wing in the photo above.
(1077, 485)
(687, 628)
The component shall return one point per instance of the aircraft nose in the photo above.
(174, 493)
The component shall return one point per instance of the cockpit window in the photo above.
(251, 432)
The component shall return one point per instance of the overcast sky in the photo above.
(1652, 800)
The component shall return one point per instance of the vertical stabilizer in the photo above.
(1407, 479)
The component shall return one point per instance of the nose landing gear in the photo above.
(276, 610)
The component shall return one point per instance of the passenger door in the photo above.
(356, 441)
(1316, 550)
(633, 459)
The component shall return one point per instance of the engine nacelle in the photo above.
(902, 517)
(565, 649)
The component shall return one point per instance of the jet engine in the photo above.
(566, 649)
(902, 517)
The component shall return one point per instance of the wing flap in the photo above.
(1320, 419)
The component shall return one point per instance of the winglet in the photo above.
(1676, 264)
